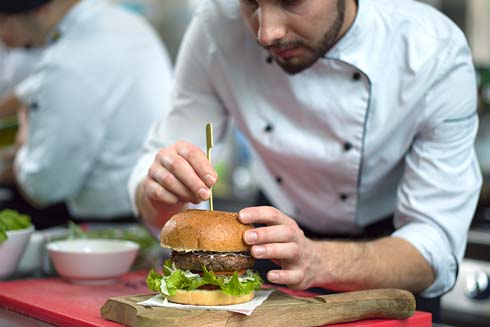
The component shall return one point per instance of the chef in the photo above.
(357, 111)
(15, 65)
(103, 79)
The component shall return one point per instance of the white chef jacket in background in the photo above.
(384, 124)
(101, 83)
(15, 66)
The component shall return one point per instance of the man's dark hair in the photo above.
(20, 6)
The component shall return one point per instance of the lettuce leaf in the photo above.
(174, 279)
(12, 220)
(154, 281)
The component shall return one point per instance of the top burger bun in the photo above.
(200, 230)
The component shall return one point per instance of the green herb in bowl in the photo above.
(12, 220)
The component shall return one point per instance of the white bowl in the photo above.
(92, 261)
(12, 249)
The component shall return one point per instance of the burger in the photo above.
(210, 264)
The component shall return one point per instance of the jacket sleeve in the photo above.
(194, 101)
(440, 187)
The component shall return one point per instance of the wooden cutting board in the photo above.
(279, 309)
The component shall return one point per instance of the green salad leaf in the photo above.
(174, 279)
(12, 220)
(134, 233)
(154, 281)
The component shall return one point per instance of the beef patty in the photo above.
(215, 261)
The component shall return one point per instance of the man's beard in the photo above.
(296, 65)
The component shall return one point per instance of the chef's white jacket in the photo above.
(100, 84)
(15, 65)
(383, 124)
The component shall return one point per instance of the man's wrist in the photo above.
(151, 215)
(338, 264)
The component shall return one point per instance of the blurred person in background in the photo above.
(104, 77)
(15, 66)
(363, 115)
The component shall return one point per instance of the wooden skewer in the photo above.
(209, 145)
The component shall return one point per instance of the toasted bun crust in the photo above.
(201, 230)
(208, 297)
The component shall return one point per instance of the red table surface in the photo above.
(64, 304)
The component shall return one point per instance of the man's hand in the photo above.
(345, 265)
(23, 130)
(179, 174)
(283, 242)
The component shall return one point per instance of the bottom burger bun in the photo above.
(208, 297)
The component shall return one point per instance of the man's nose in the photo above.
(272, 27)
